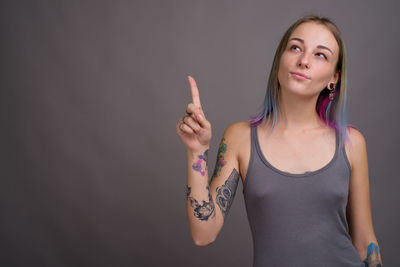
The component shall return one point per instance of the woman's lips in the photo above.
(299, 76)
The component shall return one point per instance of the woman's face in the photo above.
(309, 61)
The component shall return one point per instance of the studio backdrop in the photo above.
(93, 172)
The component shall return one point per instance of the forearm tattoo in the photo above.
(197, 166)
(226, 192)
(372, 259)
(220, 158)
(203, 211)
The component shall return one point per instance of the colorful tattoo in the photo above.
(220, 158)
(203, 211)
(226, 192)
(372, 259)
(197, 165)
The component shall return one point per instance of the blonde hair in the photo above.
(333, 113)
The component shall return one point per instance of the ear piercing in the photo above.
(333, 90)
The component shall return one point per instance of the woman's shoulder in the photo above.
(355, 134)
(238, 129)
(238, 138)
(356, 147)
(238, 133)
(356, 138)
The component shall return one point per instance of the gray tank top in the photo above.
(299, 219)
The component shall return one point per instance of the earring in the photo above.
(332, 93)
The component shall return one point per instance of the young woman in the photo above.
(304, 170)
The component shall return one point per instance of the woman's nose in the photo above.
(304, 61)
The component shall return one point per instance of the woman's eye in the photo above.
(321, 55)
(295, 47)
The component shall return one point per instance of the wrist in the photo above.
(198, 161)
(195, 153)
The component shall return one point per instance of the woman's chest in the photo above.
(294, 154)
(299, 155)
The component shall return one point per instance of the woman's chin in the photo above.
(300, 91)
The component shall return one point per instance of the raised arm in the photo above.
(207, 204)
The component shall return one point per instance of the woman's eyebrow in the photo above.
(319, 46)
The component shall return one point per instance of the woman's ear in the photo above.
(334, 79)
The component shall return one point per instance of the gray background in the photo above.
(92, 170)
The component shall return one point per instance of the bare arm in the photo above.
(359, 209)
(209, 204)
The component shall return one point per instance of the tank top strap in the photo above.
(342, 150)
(254, 144)
(253, 130)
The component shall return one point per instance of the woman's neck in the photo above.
(298, 114)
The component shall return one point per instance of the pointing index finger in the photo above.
(195, 92)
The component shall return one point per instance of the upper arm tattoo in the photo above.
(226, 192)
(220, 158)
(201, 211)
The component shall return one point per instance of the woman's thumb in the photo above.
(200, 117)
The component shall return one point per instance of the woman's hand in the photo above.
(193, 128)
